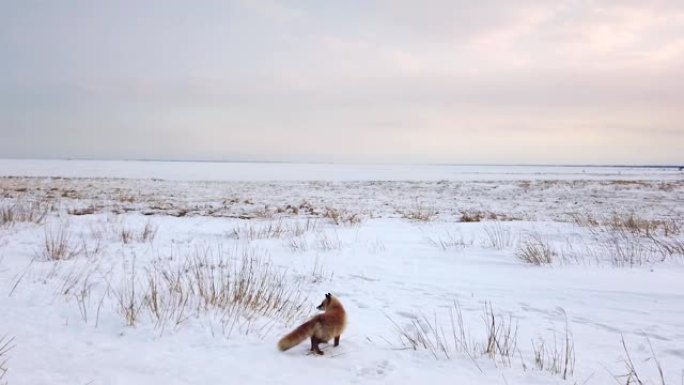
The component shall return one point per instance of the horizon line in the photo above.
(609, 165)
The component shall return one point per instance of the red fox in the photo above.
(321, 328)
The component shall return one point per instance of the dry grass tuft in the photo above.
(498, 341)
(420, 213)
(630, 240)
(559, 360)
(82, 211)
(499, 344)
(498, 236)
(274, 230)
(59, 244)
(629, 224)
(342, 216)
(145, 234)
(536, 250)
(474, 216)
(209, 281)
(6, 344)
(631, 376)
(642, 226)
(450, 241)
(321, 241)
(31, 212)
(129, 302)
(502, 336)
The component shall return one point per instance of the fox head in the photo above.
(326, 302)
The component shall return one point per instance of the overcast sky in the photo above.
(514, 81)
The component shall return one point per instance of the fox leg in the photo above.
(337, 341)
(314, 345)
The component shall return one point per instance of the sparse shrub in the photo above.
(536, 250)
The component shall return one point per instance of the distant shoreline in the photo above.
(642, 166)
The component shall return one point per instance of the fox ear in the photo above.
(328, 295)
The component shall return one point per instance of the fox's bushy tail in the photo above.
(298, 335)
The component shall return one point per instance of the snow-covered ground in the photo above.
(179, 273)
(259, 171)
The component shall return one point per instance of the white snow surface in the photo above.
(390, 271)
(259, 171)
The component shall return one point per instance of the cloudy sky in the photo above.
(446, 81)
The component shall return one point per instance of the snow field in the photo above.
(200, 289)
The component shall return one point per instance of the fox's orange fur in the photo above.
(321, 328)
